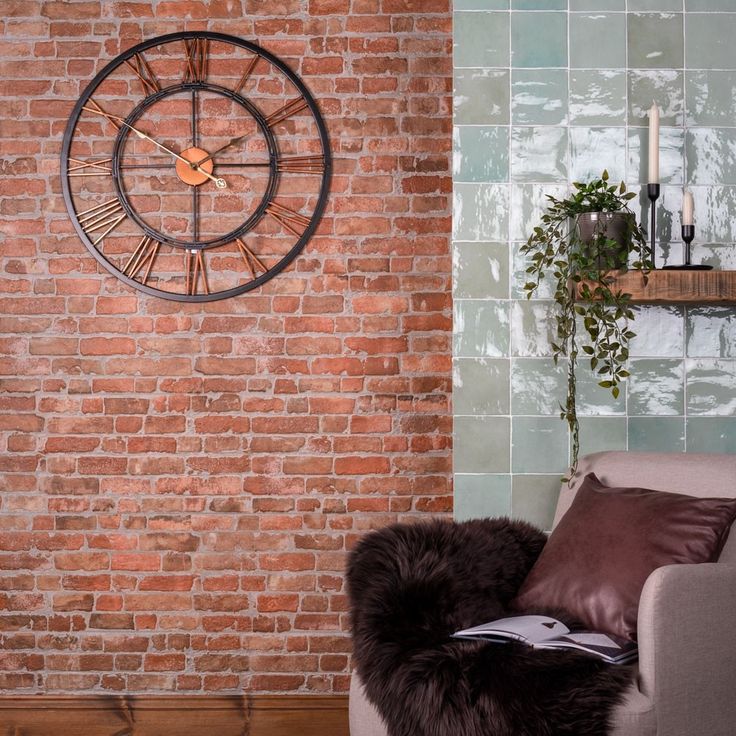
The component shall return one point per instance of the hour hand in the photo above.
(231, 142)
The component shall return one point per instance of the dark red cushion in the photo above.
(599, 556)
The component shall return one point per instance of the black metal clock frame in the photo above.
(263, 126)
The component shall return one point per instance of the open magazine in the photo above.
(543, 632)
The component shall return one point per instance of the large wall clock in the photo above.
(195, 166)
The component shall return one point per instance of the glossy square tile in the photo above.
(597, 97)
(537, 386)
(481, 39)
(539, 154)
(482, 496)
(597, 40)
(480, 4)
(481, 328)
(519, 277)
(709, 40)
(714, 214)
(481, 445)
(598, 434)
(538, 96)
(528, 203)
(671, 155)
(534, 499)
(718, 255)
(711, 156)
(480, 211)
(657, 386)
(539, 4)
(594, 400)
(711, 434)
(655, 434)
(711, 387)
(660, 332)
(481, 270)
(710, 97)
(480, 153)
(655, 40)
(539, 445)
(711, 332)
(709, 5)
(538, 39)
(594, 149)
(481, 97)
(597, 5)
(664, 87)
(639, 5)
(481, 386)
(532, 327)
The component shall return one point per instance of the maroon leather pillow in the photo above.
(599, 556)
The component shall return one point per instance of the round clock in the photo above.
(195, 166)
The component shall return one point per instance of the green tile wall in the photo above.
(548, 92)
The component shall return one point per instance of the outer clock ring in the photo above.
(317, 211)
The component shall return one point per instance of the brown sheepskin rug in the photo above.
(412, 586)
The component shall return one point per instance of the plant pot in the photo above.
(613, 226)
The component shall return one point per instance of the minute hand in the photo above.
(231, 142)
(221, 184)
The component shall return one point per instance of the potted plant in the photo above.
(580, 243)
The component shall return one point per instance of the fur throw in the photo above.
(412, 586)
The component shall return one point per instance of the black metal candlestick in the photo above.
(653, 194)
(688, 233)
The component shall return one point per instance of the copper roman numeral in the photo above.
(288, 218)
(143, 71)
(92, 106)
(100, 167)
(194, 271)
(289, 109)
(246, 74)
(144, 255)
(108, 214)
(197, 50)
(252, 261)
(302, 164)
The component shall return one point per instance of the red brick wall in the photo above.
(180, 482)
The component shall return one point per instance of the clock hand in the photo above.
(232, 142)
(221, 183)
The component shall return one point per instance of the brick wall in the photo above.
(180, 482)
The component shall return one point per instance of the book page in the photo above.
(522, 628)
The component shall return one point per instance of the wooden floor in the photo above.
(183, 715)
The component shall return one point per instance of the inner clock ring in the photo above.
(191, 176)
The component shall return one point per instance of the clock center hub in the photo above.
(191, 176)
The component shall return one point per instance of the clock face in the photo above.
(195, 166)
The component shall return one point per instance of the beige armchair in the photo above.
(686, 684)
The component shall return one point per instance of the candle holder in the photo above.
(688, 233)
(653, 194)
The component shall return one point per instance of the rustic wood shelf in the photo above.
(695, 287)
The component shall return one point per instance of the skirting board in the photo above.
(175, 715)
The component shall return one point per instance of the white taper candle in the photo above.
(653, 145)
(688, 209)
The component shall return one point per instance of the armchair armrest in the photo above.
(687, 648)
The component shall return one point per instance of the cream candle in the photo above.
(653, 144)
(688, 209)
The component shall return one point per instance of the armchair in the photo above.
(687, 641)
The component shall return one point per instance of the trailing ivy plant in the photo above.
(585, 295)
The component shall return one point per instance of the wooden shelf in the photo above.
(695, 287)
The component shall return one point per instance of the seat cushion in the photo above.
(598, 558)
